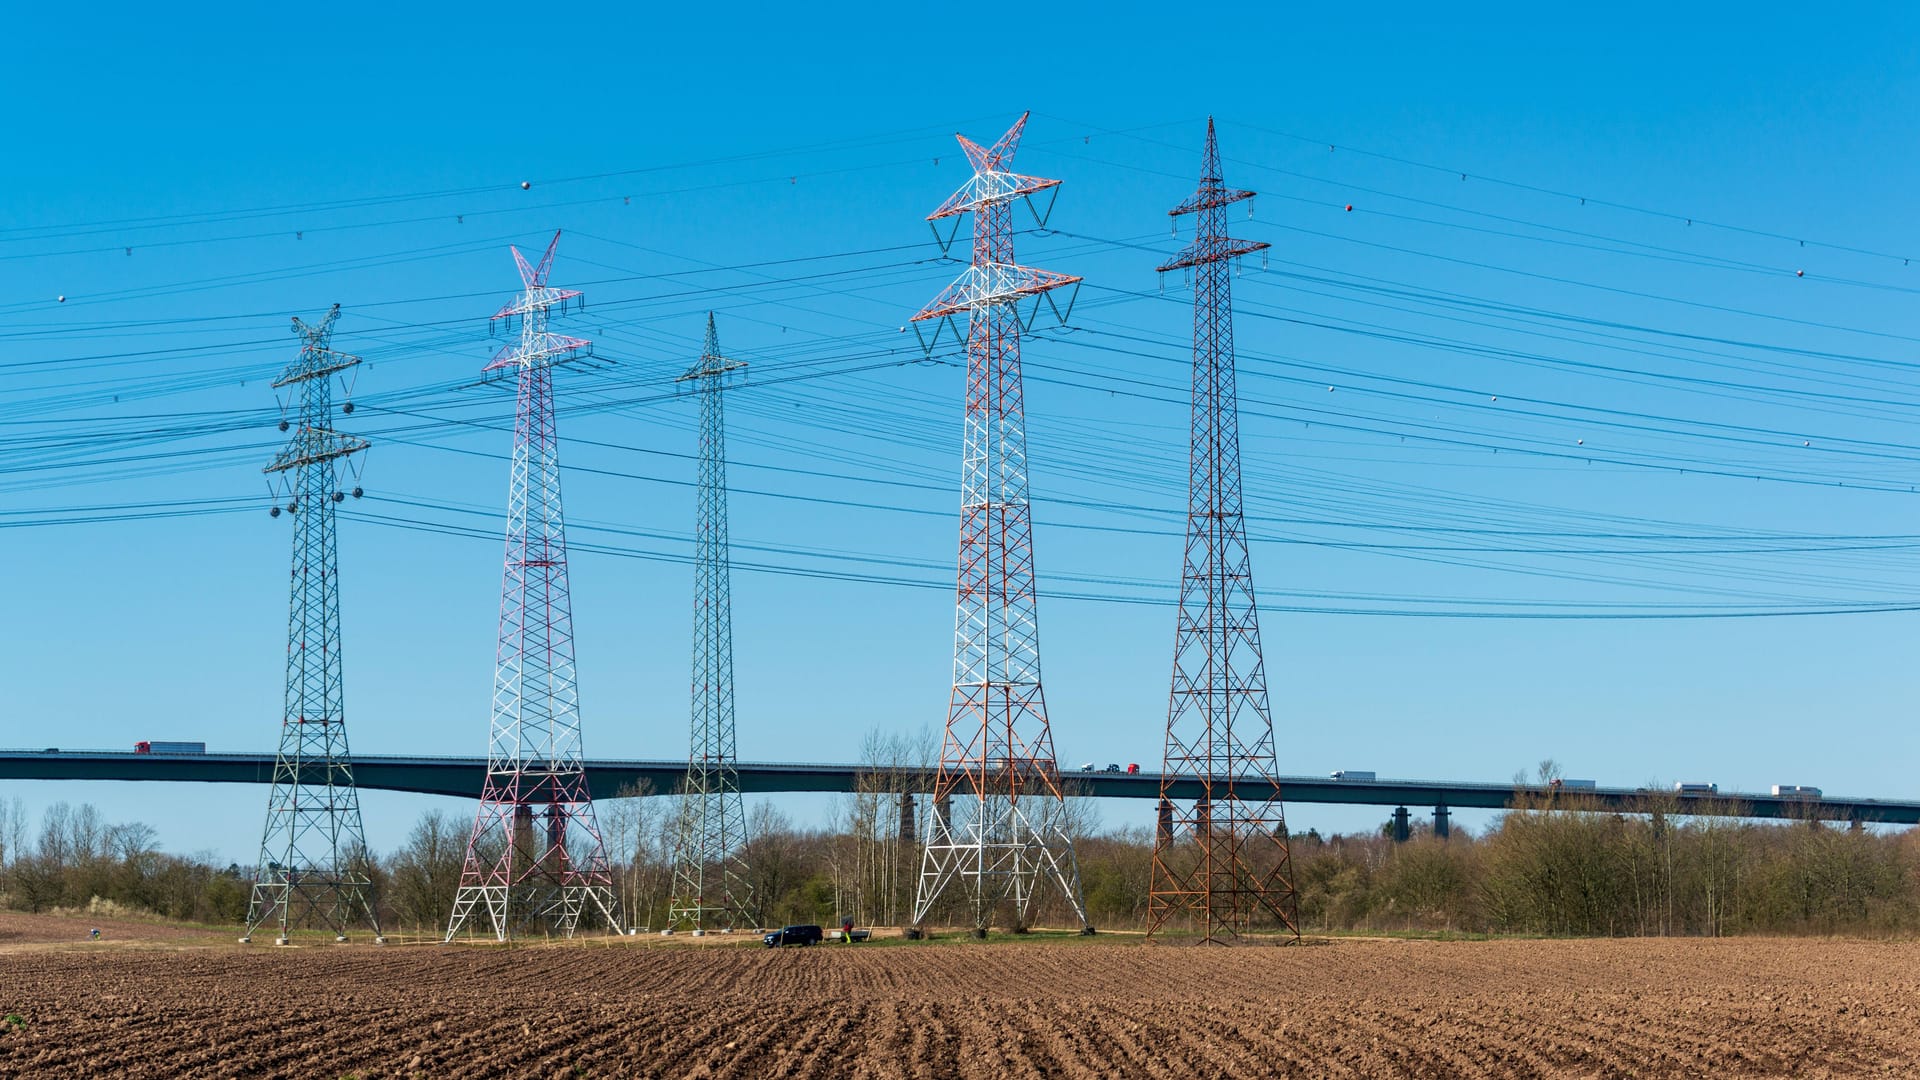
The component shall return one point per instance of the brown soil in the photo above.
(1105, 1009)
(19, 930)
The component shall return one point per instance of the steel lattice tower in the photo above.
(994, 823)
(1222, 860)
(517, 871)
(313, 852)
(708, 877)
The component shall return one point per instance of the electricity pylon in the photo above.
(515, 872)
(1221, 860)
(313, 852)
(709, 879)
(995, 822)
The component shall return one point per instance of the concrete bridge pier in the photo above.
(1401, 829)
(1442, 828)
(907, 829)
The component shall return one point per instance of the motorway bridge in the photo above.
(607, 779)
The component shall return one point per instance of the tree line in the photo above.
(1554, 865)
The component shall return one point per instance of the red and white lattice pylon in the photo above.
(995, 821)
(536, 855)
(1220, 862)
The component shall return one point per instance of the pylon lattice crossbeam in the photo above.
(1220, 862)
(313, 852)
(519, 871)
(709, 878)
(995, 823)
(994, 283)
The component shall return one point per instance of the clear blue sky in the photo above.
(1537, 405)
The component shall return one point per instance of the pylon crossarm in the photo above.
(536, 349)
(989, 188)
(315, 364)
(1210, 197)
(314, 447)
(1208, 250)
(983, 285)
(535, 301)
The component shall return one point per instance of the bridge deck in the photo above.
(607, 779)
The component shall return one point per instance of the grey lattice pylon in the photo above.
(994, 830)
(709, 880)
(536, 856)
(313, 853)
(1221, 861)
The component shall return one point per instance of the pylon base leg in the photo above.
(998, 861)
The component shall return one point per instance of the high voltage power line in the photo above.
(1378, 409)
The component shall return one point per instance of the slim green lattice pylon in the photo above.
(709, 880)
(313, 854)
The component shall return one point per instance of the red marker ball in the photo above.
(1799, 273)
(1349, 208)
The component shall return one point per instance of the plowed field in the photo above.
(987, 1010)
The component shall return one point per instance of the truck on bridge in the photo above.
(1795, 791)
(156, 746)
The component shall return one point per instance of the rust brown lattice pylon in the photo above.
(1221, 861)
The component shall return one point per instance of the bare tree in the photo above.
(13, 831)
(640, 830)
(880, 868)
(55, 848)
(424, 874)
(131, 841)
(772, 857)
(1075, 813)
